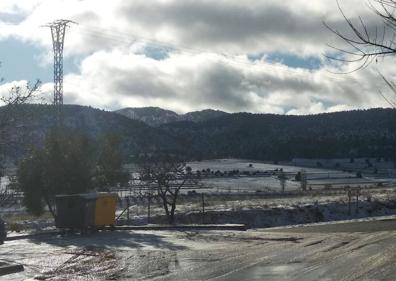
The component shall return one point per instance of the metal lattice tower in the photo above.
(58, 30)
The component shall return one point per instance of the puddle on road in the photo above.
(261, 272)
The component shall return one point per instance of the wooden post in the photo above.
(148, 207)
(349, 202)
(203, 207)
(128, 204)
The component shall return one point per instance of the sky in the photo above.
(252, 55)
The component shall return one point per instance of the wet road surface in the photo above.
(375, 225)
(211, 255)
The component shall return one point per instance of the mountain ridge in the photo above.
(156, 116)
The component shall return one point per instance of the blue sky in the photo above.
(21, 61)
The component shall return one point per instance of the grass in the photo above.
(16, 221)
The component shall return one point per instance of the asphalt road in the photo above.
(369, 226)
(312, 271)
(332, 252)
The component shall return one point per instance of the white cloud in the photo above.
(118, 78)
(112, 37)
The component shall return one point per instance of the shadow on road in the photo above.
(110, 240)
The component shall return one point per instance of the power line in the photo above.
(9, 23)
(230, 58)
(128, 39)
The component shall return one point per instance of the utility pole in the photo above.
(128, 205)
(58, 31)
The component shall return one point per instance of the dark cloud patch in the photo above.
(269, 82)
(141, 82)
(233, 25)
(221, 86)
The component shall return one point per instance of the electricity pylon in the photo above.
(58, 31)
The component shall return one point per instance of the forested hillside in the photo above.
(34, 121)
(363, 133)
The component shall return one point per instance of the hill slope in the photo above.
(364, 133)
(31, 128)
(152, 116)
(155, 116)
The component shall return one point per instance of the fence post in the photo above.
(148, 207)
(349, 202)
(128, 204)
(203, 207)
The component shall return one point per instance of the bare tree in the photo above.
(392, 87)
(12, 106)
(169, 175)
(367, 43)
(10, 111)
(8, 192)
(282, 180)
(303, 179)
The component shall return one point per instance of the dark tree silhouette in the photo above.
(64, 166)
(109, 168)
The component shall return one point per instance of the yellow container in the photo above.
(105, 209)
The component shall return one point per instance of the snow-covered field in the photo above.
(253, 200)
(244, 165)
(258, 202)
(316, 177)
